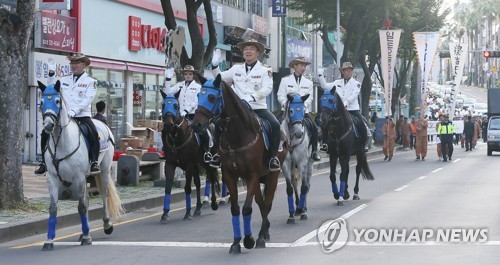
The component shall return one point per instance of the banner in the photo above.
(389, 43)
(426, 44)
(458, 53)
(55, 32)
(279, 8)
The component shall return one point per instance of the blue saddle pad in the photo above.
(266, 130)
(103, 141)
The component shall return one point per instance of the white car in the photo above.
(469, 102)
(480, 109)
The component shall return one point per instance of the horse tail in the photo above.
(365, 169)
(115, 207)
(213, 176)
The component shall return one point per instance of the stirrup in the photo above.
(273, 167)
(207, 157)
(324, 148)
(94, 167)
(42, 168)
(315, 156)
(215, 163)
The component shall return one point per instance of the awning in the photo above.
(145, 68)
(105, 63)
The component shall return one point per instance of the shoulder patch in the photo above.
(359, 85)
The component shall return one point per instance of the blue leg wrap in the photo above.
(166, 202)
(335, 189)
(51, 234)
(291, 206)
(207, 188)
(236, 227)
(224, 190)
(188, 201)
(302, 201)
(85, 225)
(247, 224)
(342, 188)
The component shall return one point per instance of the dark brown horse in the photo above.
(182, 149)
(243, 155)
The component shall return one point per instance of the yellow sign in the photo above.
(494, 68)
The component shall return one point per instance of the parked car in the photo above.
(469, 102)
(480, 108)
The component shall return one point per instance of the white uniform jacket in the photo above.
(188, 98)
(288, 85)
(257, 83)
(348, 92)
(78, 96)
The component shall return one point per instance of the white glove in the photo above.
(71, 114)
(216, 57)
(321, 70)
(169, 73)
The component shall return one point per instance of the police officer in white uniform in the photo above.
(348, 89)
(297, 84)
(188, 99)
(78, 90)
(252, 82)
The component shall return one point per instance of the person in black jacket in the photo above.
(469, 133)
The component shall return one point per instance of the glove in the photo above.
(169, 73)
(71, 114)
(248, 99)
(216, 57)
(52, 69)
(321, 71)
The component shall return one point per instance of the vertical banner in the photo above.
(458, 54)
(389, 43)
(426, 44)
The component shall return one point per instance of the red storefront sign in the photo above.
(137, 101)
(57, 32)
(144, 36)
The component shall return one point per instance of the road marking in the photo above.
(401, 188)
(456, 160)
(313, 233)
(436, 170)
(422, 177)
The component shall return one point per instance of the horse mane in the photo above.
(242, 111)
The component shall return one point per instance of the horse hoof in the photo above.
(303, 217)
(188, 217)
(336, 196)
(197, 213)
(235, 249)
(290, 221)
(205, 202)
(164, 218)
(261, 243)
(340, 203)
(347, 195)
(48, 246)
(86, 241)
(249, 242)
(109, 230)
(215, 206)
(355, 197)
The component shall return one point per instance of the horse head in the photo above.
(170, 110)
(50, 105)
(295, 115)
(210, 103)
(328, 105)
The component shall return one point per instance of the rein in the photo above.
(240, 149)
(343, 135)
(184, 144)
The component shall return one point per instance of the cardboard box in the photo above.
(160, 126)
(135, 152)
(131, 142)
(142, 132)
(153, 124)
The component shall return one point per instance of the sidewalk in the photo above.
(19, 224)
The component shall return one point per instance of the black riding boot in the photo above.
(94, 165)
(42, 168)
(205, 142)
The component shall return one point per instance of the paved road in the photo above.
(406, 194)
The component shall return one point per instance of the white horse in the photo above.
(68, 165)
(298, 164)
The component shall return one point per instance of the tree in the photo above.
(15, 30)
(199, 56)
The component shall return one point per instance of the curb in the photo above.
(38, 225)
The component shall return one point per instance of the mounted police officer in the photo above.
(297, 84)
(78, 91)
(348, 89)
(188, 100)
(252, 82)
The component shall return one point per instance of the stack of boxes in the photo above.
(143, 137)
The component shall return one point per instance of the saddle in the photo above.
(85, 129)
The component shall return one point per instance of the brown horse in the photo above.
(243, 154)
(183, 150)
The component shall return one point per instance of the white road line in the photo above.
(456, 160)
(313, 233)
(436, 170)
(401, 188)
(422, 177)
(273, 245)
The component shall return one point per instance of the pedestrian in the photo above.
(446, 132)
(484, 129)
(348, 90)
(296, 83)
(101, 109)
(253, 82)
(469, 133)
(389, 131)
(477, 133)
(405, 133)
(186, 92)
(399, 138)
(78, 89)
(413, 132)
(438, 138)
(421, 138)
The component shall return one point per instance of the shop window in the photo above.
(255, 7)
(152, 101)
(239, 4)
(138, 93)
